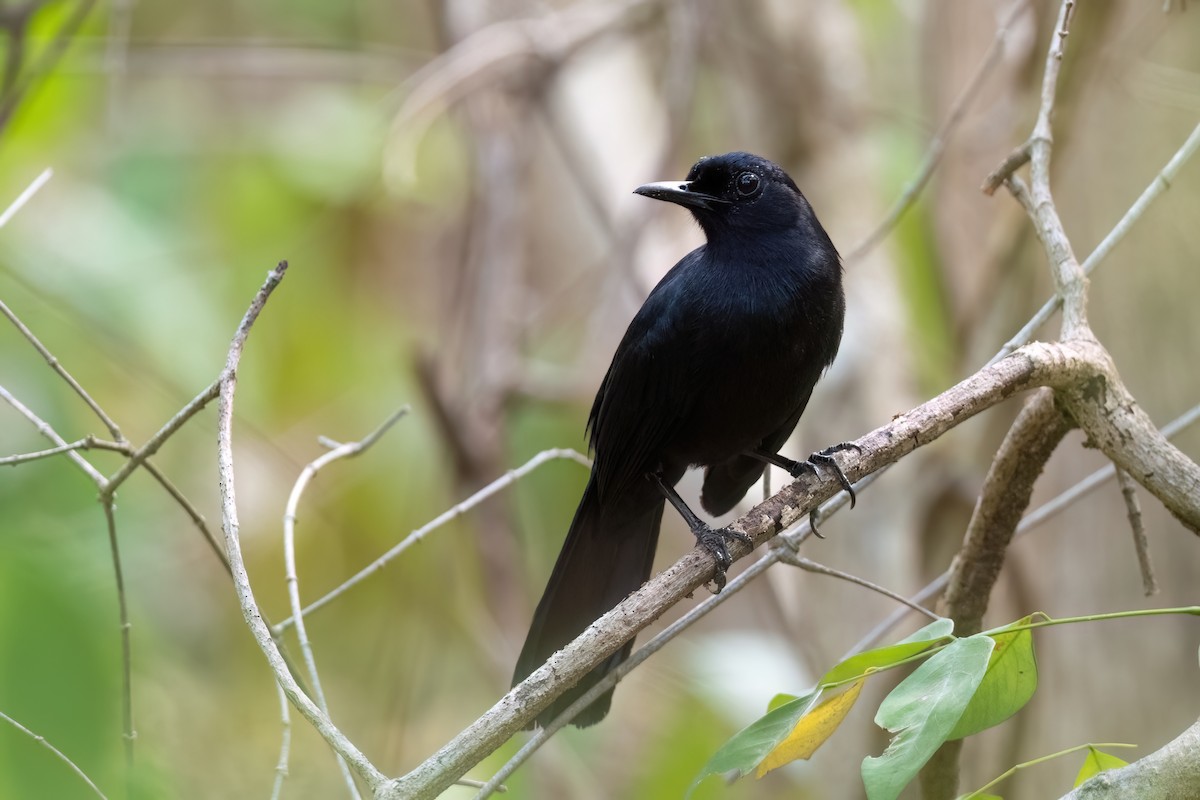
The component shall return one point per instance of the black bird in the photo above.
(714, 371)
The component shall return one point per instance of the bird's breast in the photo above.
(750, 373)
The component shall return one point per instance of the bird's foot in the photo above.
(714, 541)
(825, 458)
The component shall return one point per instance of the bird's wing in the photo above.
(725, 484)
(643, 397)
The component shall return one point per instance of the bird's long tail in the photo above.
(608, 553)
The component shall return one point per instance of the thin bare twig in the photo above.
(62, 372)
(285, 744)
(1069, 281)
(289, 554)
(197, 518)
(25, 196)
(126, 639)
(474, 784)
(1011, 163)
(929, 592)
(812, 566)
(229, 519)
(1140, 544)
(151, 446)
(47, 431)
(88, 442)
(492, 488)
(937, 145)
(138, 456)
(1161, 182)
(57, 753)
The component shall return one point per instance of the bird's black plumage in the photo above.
(714, 371)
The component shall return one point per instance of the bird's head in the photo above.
(735, 192)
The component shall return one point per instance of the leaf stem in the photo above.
(1048, 621)
(1008, 773)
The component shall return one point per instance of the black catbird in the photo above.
(715, 371)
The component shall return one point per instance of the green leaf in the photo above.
(922, 711)
(1009, 682)
(749, 746)
(940, 628)
(779, 700)
(1096, 762)
(881, 658)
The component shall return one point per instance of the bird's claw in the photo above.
(813, 516)
(714, 541)
(825, 458)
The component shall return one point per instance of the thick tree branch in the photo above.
(1116, 425)
(1031, 520)
(1006, 492)
(1172, 771)
(1005, 496)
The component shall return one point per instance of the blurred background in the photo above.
(450, 182)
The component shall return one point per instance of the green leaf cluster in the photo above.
(963, 685)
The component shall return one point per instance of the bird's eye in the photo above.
(748, 184)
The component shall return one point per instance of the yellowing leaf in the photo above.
(813, 729)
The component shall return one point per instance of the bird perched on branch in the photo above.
(714, 371)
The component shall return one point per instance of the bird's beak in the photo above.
(681, 192)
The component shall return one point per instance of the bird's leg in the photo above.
(712, 539)
(823, 458)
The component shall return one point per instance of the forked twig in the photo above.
(450, 514)
(289, 554)
(229, 523)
